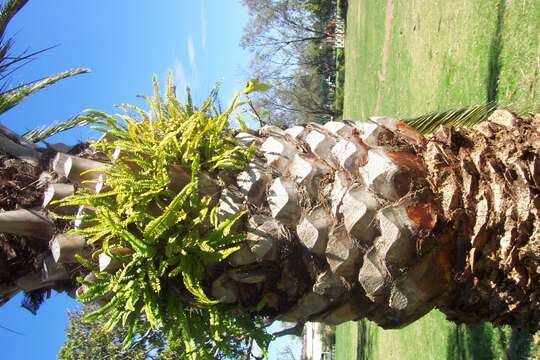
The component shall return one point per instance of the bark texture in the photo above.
(354, 217)
(352, 220)
(488, 180)
(19, 255)
(27, 229)
(391, 224)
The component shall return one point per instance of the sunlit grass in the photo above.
(443, 55)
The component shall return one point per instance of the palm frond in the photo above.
(14, 96)
(8, 11)
(10, 64)
(7, 62)
(42, 133)
(463, 117)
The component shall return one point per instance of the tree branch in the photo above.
(295, 330)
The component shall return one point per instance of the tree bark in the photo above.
(25, 222)
(64, 247)
(17, 146)
(19, 151)
(79, 170)
(412, 223)
(352, 220)
(56, 192)
(488, 180)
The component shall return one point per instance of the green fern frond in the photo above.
(463, 117)
(158, 226)
(169, 232)
(14, 96)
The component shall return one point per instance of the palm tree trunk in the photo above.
(488, 181)
(373, 220)
(25, 261)
(348, 217)
(352, 220)
(26, 223)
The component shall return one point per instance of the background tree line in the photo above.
(292, 43)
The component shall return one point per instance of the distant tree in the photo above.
(92, 341)
(287, 353)
(297, 100)
(289, 43)
(279, 24)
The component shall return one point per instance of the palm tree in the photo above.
(210, 233)
(21, 165)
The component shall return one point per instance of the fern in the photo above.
(162, 276)
(158, 226)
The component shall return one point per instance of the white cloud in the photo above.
(180, 80)
(191, 51)
(184, 77)
(203, 25)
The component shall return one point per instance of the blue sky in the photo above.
(124, 43)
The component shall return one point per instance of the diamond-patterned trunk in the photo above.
(351, 220)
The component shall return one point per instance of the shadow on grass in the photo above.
(519, 346)
(366, 340)
(470, 343)
(495, 50)
(456, 349)
(485, 342)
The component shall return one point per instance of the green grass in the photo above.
(346, 341)
(442, 55)
(356, 340)
(431, 337)
(340, 66)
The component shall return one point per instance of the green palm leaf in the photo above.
(8, 11)
(40, 134)
(14, 96)
(10, 63)
(463, 117)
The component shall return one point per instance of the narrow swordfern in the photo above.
(168, 251)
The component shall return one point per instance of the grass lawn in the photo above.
(442, 54)
(436, 55)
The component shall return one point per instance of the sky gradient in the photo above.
(124, 43)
